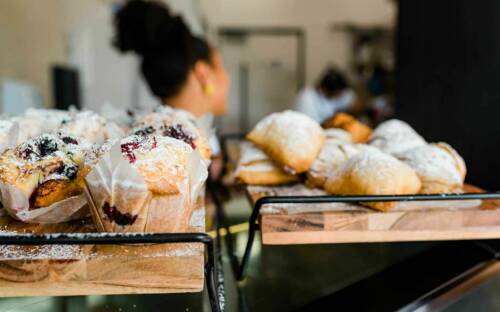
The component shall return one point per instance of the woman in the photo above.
(181, 70)
(329, 96)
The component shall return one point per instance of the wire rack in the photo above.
(212, 271)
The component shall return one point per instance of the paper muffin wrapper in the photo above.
(16, 204)
(115, 183)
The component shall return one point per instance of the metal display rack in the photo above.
(254, 225)
(239, 265)
(212, 271)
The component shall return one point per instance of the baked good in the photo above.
(255, 168)
(395, 137)
(291, 139)
(338, 134)
(373, 173)
(333, 154)
(440, 168)
(176, 124)
(90, 126)
(360, 132)
(162, 161)
(9, 134)
(47, 168)
(145, 183)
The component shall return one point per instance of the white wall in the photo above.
(36, 34)
(314, 16)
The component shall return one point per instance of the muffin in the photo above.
(44, 170)
(90, 126)
(145, 183)
(176, 124)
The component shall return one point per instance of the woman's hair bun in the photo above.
(148, 27)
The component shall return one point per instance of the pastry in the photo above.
(47, 168)
(333, 154)
(395, 137)
(338, 134)
(360, 132)
(373, 173)
(176, 124)
(9, 134)
(145, 183)
(90, 126)
(440, 168)
(291, 139)
(255, 168)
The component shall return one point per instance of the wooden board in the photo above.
(343, 223)
(62, 270)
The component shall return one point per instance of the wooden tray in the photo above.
(62, 270)
(343, 223)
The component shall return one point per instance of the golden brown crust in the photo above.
(291, 139)
(374, 173)
(52, 191)
(360, 132)
(273, 176)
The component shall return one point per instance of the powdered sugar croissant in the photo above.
(291, 139)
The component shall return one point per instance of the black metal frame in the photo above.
(254, 226)
(211, 270)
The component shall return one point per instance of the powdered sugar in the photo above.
(293, 128)
(432, 162)
(250, 153)
(395, 136)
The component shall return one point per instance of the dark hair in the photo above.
(167, 47)
(332, 81)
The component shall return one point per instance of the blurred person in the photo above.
(330, 95)
(379, 85)
(182, 70)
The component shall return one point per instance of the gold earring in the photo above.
(209, 90)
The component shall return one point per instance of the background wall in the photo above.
(37, 34)
(316, 17)
(269, 62)
(30, 40)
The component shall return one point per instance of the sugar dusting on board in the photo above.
(75, 252)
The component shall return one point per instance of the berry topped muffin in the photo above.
(47, 168)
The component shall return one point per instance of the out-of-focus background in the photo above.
(58, 52)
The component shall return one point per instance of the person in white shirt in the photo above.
(329, 96)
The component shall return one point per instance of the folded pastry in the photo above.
(176, 124)
(255, 168)
(90, 126)
(47, 168)
(360, 132)
(338, 134)
(395, 137)
(291, 139)
(440, 168)
(373, 173)
(333, 154)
